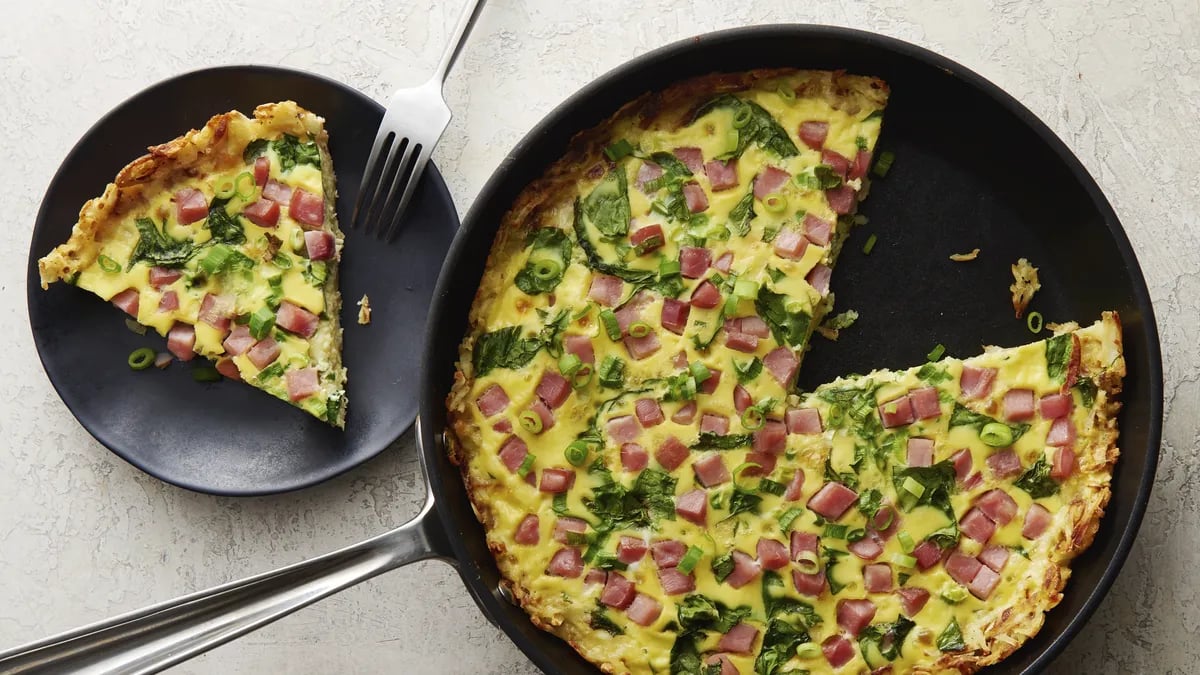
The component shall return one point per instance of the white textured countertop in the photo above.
(84, 536)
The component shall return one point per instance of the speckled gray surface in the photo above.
(85, 536)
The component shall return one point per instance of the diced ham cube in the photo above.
(302, 383)
(566, 529)
(976, 383)
(1037, 519)
(649, 412)
(694, 261)
(795, 486)
(1004, 464)
(528, 532)
(692, 158)
(709, 385)
(640, 348)
(769, 181)
(927, 554)
(832, 500)
(675, 315)
(667, 552)
(239, 341)
(580, 346)
(190, 206)
(606, 289)
(804, 421)
(997, 505)
(647, 239)
(556, 480)
(897, 413)
(782, 363)
(714, 424)
(962, 464)
(790, 244)
(925, 403)
(920, 452)
(741, 342)
(973, 481)
(595, 577)
(229, 369)
(262, 170)
(647, 172)
(706, 295)
(855, 615)
(740, 639)
(962, 568)
(692, 506)
(634, 457)
(1064, 464)
(277, 192)
(862, 162)
(493, 401)
(618, 591)
(503, 426)
(671, 453)
(622, 429)
(710, 470)
(912, 600)
(838, 651)
(512, 453)
(751, 325)
(813, 134)
(976, 525)
(984, 583)
(1062, 433)
(869, 547)
(1018, 405)
(631, 312)
(566, 563)
(886, 521)
(818, 230)
(721, 175)
(128, 301)
(877, 578)
(292, 318)
(553, 389)
(544, 413)
(741, 398)
(264, 213)
(674, 582)
(723, 660)
(771, 438)
(169, 302)
(841, 199)
(772, 554)
(1056, 405)
(319, 245)
(725, 262)
(836, 161)
(631, 549)
(995, 557)
(164, 276)
(686, 413)
(802, 543)
(307, 209)
(818, 277)
(694, 197)
(644, 610)
(264, 353)
(764, 464)
(745, 570)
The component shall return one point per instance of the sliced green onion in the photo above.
(245, 185)
(870, 245)
(746, 288)
(206, 374)
(546, 269)
(699, 371)
(953, 593)
(1034, 322)
(913, 487)
(731, 304)
(688, 562)
(786, 93)
(808, 650)
(753, 419)
(860, 142)
(806, 562)
(216, 259)
(936, 353)
(771, 487)
(639, 329)
(225, 189)
(583, 376)
(611, 326)
(577, 453)
(108, 264)
(742, 117)
(568, 363)
(996, 434)
(281, 260)
(732, 138)
(788, 517)
(142, 359)
(905, 561)
(261, 322)
(526, 465)
(668, 267)
(619, 149)
(884, 163)
(856, 534)
(775, 203)
(531, 422)
(835, 531)
(836, 415)
(559, 503)
(737, 471)
(298, 241)
(906, 541)
(135, 327)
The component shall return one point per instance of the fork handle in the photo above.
(465, 23)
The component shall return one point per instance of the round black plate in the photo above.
(974, 168)
(228, 438)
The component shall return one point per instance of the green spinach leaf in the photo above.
(779, 644)
(1087, 389)
(156, 247)
(1036, 480)
(760, 127)
(1058, 356)
(965, 417)
(886, 638)
(951, 639)
(548, 259)
(789, 326)
(292, 152)
(607, 206)
(741, 215)
(777, 603)
(503, 348)
(712, 441)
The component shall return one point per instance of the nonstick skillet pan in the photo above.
(974, 169)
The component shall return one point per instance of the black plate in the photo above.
(974, 168)
(228, 438)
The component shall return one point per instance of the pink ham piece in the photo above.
(976, 525)
(984, 583)
(897, 413)
(694, 261)
(741, 342)
(976, 383)
(725, 262)
(544, 413)
(962, 464)
(262, 171)
(618, 591)
(795, 487)
(995, 557)
(804, 542)
(782, 363)
(692, 158)
(727, 667)
(631, 312)
(307, 209)
(671, 453)
(1018, 405)
(566, 563)
(877, 578)
(714, 424)
(818, 277)
(1004, 464)
(920, 452)
(927, 554)
(163, 276)
(832, 500)
(772, 554)
(686, 413)
(973, 481)
(228, 368)
(127, 301)
(643, 347)
(862, 162)
(667, 552)
(740, 639)
(809, 584)
(649, 412)
(804, 421)
(769, 181)
(319, 245)
(169, 302)
(841, 199)
(997, 505)
(647, 239)
(706, 295)
(838, 651)
(745, 570)
(580, 346)
(504, 426)
(1037, 519)
(763, 464)
(1063, 465)
(263, 213)
(771, 438)
(836, 161)
(1055, 406)
(790, 244)
(239, 341)
(492, 401)
(264, 352)
(631, 550)
(528, 532)
(595, 577)
(855, 615)
(565, 527)
(180, 341)
(190, 206)
(675, 315)
(694, 197)
(721, 175)
(674, 582)
(302, 383)
(622, 429)
(556, 480)
(647, 172)
(750, 325)
(925, 403)
(962, 568)
(886, 521)
(606, 289)
(912, 600)
(869, 547)
(709, 385)
(553, 389)
(295, 319)
(813, 133)
(634, 457)
(644, 610)
(277, 192)
(710, 470)
(741, 398)
(817, 230)
(513, 452)
(692, 506)
(1062, 433)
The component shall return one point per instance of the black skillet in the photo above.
(974, 169)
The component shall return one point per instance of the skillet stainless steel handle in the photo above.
(157, 637)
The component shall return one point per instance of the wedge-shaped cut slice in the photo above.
(225, 241)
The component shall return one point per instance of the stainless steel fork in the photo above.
(412, 125)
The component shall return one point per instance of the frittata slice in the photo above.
(225, 240)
